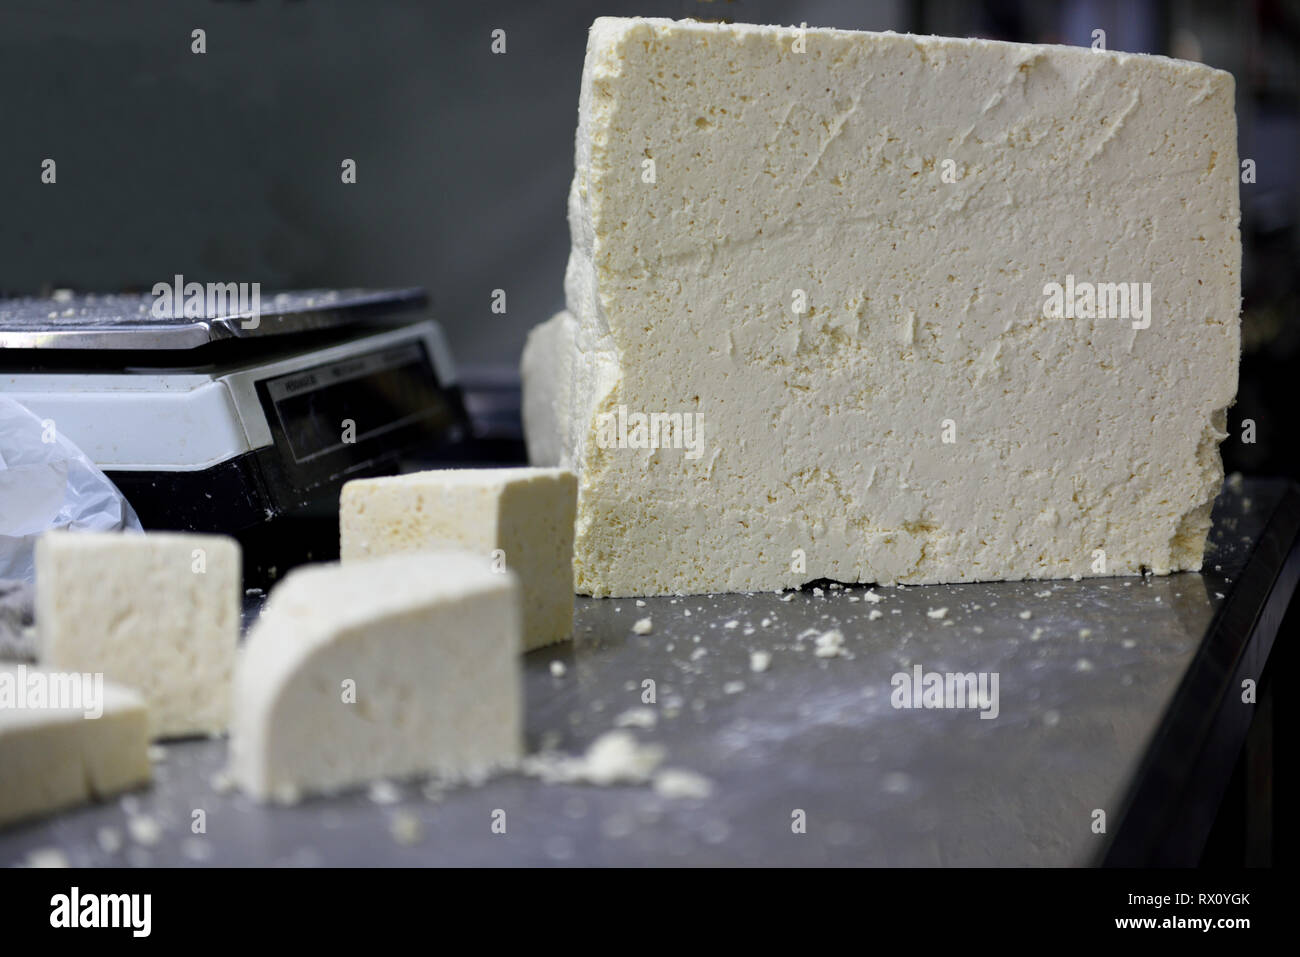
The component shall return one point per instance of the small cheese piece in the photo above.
(158, 613)
(522, 518)
(810, 309)
(58, 751)
(397, 666)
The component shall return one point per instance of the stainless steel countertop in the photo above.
(1084, 680)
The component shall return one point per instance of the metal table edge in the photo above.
(1170, 807)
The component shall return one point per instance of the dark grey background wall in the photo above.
(226, 166)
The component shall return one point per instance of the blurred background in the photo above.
(226, 166)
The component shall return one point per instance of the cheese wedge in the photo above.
(158, 613)
(391, 667)
(885, 308)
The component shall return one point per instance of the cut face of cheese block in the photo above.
(521, 518)
(391, 667)
(158, 613)
(883, 308)
(66, 739)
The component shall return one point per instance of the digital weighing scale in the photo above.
(219, 424)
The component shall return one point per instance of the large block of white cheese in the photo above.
(391, 667)
(158, 613)
(66, 739)
(521, 518)
(886, 308)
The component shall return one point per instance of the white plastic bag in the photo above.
(47, 482)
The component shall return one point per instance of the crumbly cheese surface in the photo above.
(53, 758)
(836, 249)
(521, 518)
(158, 613)
(396, 666)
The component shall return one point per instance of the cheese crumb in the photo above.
(616, 757)
(109, 839)
(637, 718)
(677, 783)
(144, 830)
(405, 828)
(384, 792)
(830, 644)
(47, 857)
(643, 626)
(759, 660)
(937, 613)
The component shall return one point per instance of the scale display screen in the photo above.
(332, 407)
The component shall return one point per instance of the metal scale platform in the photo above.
(224, 424)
